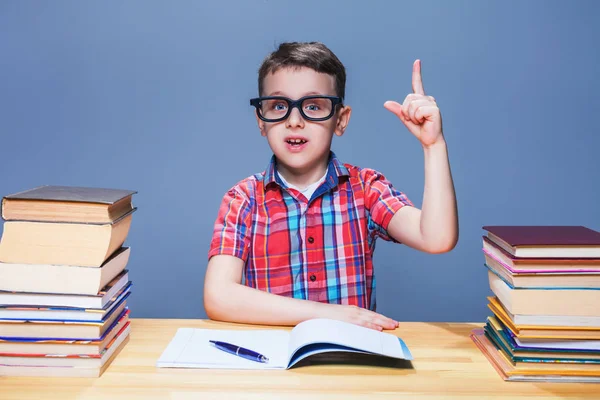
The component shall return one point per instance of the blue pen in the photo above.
(240, 351)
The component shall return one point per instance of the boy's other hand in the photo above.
(419, 112)
(360, 316)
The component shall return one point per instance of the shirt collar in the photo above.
(335, 170)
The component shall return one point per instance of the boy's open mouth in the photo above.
(296, 142)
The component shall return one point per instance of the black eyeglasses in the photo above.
(312, 108)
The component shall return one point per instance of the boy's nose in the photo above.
(295, 119)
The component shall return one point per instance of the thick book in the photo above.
(546, 241)
(120, 283)
(520, 265)
(542, 332)
(547, 301)
(190, 348)
(564, 321)
(83, 245)
(65, 279)
(67, 204)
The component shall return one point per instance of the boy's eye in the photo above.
(312, 107)
(279, 106)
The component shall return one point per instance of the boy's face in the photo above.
(315, 137)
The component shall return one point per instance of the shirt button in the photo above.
(311, 239)
(313, 278)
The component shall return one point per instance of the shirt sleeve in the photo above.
(231, 233)
(383, 201)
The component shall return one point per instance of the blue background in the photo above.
(153, 96)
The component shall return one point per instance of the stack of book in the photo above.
(63, 280)
(546, 309)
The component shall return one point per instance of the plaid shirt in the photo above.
(318, 249)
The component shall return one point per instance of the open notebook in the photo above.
(190, 348)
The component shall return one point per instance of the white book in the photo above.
(553, 320)
(62, 279)
(576, 344)
(559, 302)
(33, 313)
(191, 348)
(67, 300)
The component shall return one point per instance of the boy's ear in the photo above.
(261, 125)
(342, 120)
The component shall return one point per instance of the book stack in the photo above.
(545, 324)
(63, 280)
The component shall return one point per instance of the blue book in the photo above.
(520, 354)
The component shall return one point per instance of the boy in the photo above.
(302, 233)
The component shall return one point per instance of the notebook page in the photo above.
(345, 334)
(190, 348)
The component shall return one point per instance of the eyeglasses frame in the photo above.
(335, 101)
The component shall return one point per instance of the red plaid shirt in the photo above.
(318, 249)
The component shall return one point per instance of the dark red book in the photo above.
(550, 241)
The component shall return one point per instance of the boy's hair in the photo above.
(313, 55)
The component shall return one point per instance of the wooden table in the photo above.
(446, 365)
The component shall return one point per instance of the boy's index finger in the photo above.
(417, 81)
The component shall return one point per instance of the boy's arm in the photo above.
(433, 229)
(226, 299)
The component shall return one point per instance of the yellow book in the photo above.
(84, 245)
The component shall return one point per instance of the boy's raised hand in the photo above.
(419, 112)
